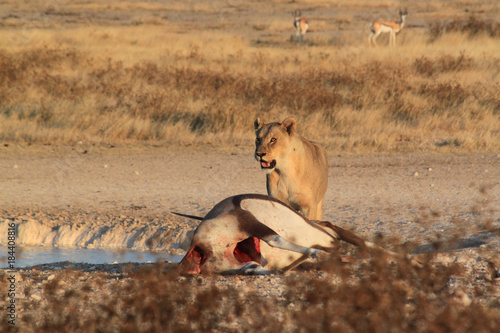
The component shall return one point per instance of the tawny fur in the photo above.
(296, 168)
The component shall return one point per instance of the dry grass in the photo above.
(193, 73)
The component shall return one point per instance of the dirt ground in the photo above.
(397, 194)
(415, 198)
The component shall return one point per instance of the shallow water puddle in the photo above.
(36, 255)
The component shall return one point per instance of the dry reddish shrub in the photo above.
(446, 63)
(74, 96)
(375, 294)
(472, 26)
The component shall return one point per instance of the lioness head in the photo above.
(272, 142)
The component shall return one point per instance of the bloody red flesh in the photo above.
(198, 255)
(248, 250)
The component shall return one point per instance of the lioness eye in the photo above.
(273, 140)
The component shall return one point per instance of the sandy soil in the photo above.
(415, 198)
(375, 193)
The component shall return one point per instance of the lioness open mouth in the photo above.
(268, 165)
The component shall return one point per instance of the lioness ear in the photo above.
(258, 124)
(290, 125)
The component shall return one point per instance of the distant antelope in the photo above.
(392, 27)
(300, 24)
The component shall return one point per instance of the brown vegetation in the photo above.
(471, 26)
(376, 296)
(148, 82)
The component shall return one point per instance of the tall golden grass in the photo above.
(108, 72)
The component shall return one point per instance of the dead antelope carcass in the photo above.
(257, 234)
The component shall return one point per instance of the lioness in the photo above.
(296, 169)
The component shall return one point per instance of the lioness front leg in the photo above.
(307, 208)
(319, 211)
(310, 209)
(311, 212)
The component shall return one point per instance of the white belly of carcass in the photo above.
(289, 225)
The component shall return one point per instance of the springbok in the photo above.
(300, 24)
(392, 27)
